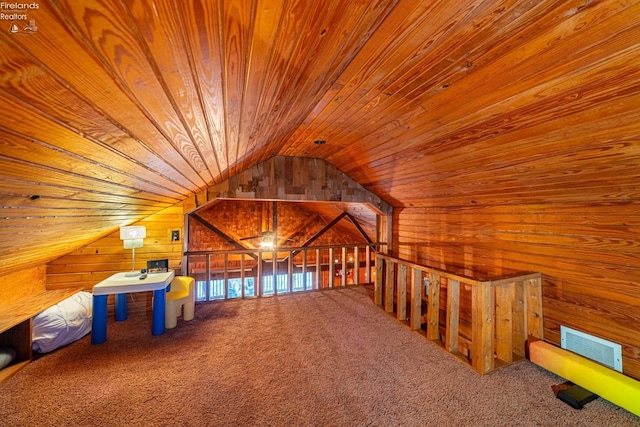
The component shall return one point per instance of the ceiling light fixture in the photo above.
(319, 141)
(267, 241)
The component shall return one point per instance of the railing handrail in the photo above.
(433, 270)
(281, 249)
(504, 311)
(277, 262)
(498, 280)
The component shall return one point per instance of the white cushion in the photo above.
(63, 323)
(7, 354)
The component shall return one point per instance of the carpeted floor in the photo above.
(327, 358)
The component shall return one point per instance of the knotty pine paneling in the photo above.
(22, 284)
(587, 254)
(490, 112)
(507, 131)
(117, 110)
(96, 261)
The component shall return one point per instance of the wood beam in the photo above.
(220, 233)
(321, 232)
(360, 229)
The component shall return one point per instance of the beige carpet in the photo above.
(327, 358)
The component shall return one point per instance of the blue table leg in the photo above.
(121, 307)
(99, 319)
(159, 306)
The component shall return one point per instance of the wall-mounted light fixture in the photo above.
(133, 237)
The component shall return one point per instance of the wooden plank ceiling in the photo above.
(113, 110)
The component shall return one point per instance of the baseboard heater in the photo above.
(613, 386)
(602, 351)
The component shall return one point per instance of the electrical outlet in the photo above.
(175, 235)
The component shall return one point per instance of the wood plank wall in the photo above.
(22, 284)
(587, 254)
(291, 178)
(91, 264)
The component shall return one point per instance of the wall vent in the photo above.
(594, 348)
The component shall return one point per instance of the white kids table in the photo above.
(120, 284)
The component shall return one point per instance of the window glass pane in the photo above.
(267, 285)
(282, 283)
(296, 282)
(201, 290)
(249, 287)
(216, 289)
(235, 288)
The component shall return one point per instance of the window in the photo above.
(216, 289)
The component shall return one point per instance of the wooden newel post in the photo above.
(378, 283)
(433, 312)
(389, 286)
(482, 314)
(416, 299)
(401, 311)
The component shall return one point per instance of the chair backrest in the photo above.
(183, 284)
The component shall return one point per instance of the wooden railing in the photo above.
(484, 323)
(319, 266)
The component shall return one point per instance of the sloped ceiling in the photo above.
(113, 110)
